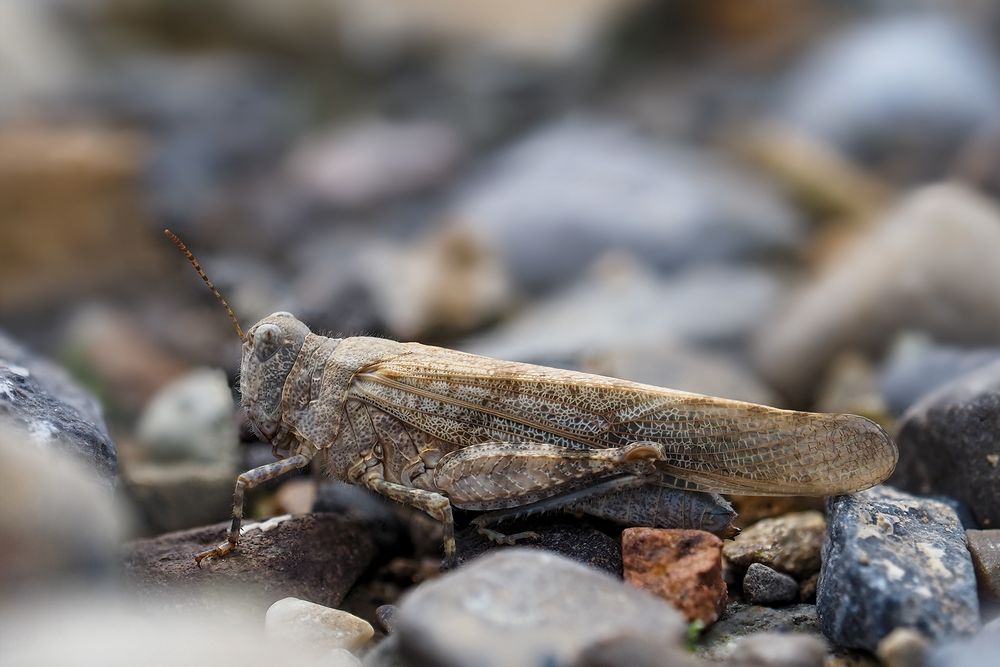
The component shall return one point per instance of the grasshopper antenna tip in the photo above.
(201, 272)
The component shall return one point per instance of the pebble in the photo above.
(893, 560)
(168, 497)
(947, 444)
(315, 627)
(903, 647)
(979, 651)
(762, 585)
(191, 419)
(51, 411)
(777, 649)
(916, 268)
(577, 188)
(984, 545)
(629, 651)
(684, 567)
(789, 544)
(742, 620)
(527, 607)
(317, 556)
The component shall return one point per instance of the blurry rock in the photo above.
(918, 269)
(947, 444)
(373, 161)
(807, 589)
(315, 628)
(980, 650)
(386, 617)
(296, 496)
(58, 523)
(789, 544)
(742, 620)
(51, 411)
(110, 345)
(851, 387)
(684, 567)
(918, 366)
(630, 651)
(574, 540)
(576, 189)
(175, 496)
(620, 304)
(751, 509)
(386, 654)
(903, 647)
(681, 366)
(984, 545)
(898, 94)
(384, 525)
(72, 222)
(776, 649)
(523, 607)
(317, 556)
(192, 419)
(762, 585)
(892, 560)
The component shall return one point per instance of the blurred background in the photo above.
(792, 202)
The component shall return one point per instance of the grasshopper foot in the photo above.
(501, 538)
(217, 552)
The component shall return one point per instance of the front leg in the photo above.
(434, 504)
(249, 480)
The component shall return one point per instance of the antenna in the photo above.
(201, 272)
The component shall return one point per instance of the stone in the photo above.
(51, 411)
(575, 189)
(893, 560)
(718, 306)
(984, 545)
(169, 497)
(385, 525)
(317, 556)
(684, 567)
(192, 419)
(575, 540)
(916, 268)
(776, 649)
(386, 614)
(947, 444)
(762, 585)
(872, 91)
(374, 160)
(314, 627)
(980, 650)
(527, 607)
(807, 589)
(902, 647)
(751, 509)
(386, 654)
(629, 651)
(789, 544)
(741, 620)
(917, 366)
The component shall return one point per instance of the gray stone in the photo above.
(762, 585)
(947, 444)
(984, 545)
(168, 497)
(918, 366)
(386, 654)
(790, 543)
(630, 651)
(53, 410)
(527, 607)
(893, 560)
(741, 620)
(976, 652)
(580, 187)
(919, 268)
(897, 94)
(775, 649)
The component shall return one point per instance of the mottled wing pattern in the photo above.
(710, 444)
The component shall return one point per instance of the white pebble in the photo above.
(319, 628)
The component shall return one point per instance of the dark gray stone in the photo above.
(948, 444)
(743, 620)
(762, 585)
(917, 367)
(893, 560)
(527, 607)
(53, 410)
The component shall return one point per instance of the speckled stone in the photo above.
(893, 560)
(742, 620)
(789, 544)
(762, 585)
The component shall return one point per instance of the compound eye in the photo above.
(266, 341)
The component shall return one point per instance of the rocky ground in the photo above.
(788, 203)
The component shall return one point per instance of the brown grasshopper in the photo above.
(435, 429)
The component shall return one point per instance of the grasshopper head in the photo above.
(270, 348)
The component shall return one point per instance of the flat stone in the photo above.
(575, 540)
(527, 607)
(947, 444)
(314, 627)
(789, 544)
(776, 649)
(684, 567)
(984, 545)
(893, 560)
(719, 642)
(762, 585)
(316, 556)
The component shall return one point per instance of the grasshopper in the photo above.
(437, 429)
